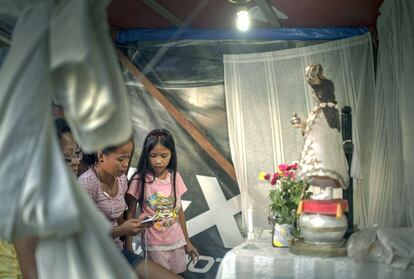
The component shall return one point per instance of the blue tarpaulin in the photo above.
(302, 34)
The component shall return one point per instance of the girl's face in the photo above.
(116, 163)
(159, 158)
(71, 151)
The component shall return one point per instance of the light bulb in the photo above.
(243, 20)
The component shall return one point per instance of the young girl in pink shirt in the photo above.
(158, 187)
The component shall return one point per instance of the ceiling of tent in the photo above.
(221, 14)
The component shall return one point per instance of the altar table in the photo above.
(268, 262)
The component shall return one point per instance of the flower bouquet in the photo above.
(285, 194)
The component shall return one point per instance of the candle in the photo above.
(250, 222)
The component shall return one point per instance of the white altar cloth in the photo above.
(269, 262)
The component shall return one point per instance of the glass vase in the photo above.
(284, 229)
(282, 235)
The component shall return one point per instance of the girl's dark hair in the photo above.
(62, 127)
(165, 138)
(91, 158)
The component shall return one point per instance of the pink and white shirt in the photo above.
(159, 200)
(111, 207)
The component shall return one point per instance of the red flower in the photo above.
(293, 166)
(267, 176)
(283, 167)
(274, 178)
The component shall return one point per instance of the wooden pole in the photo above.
(348, 145)
(180, 118)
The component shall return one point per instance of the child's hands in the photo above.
(144, 216)
(192, 251)
(131, 227)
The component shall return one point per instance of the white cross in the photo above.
(221, 213)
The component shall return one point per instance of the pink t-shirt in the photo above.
(159, 200)
(111, 207)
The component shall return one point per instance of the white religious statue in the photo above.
(322, 162)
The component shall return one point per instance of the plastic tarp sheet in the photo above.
(302, 34)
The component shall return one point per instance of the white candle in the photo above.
(250, 220)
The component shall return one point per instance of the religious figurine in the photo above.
(323, 162)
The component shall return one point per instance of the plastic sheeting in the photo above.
(391, 246)
(211, 193)
(302, 34)
(191, 64)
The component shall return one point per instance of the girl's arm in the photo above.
(132, 206)
(189, 247)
